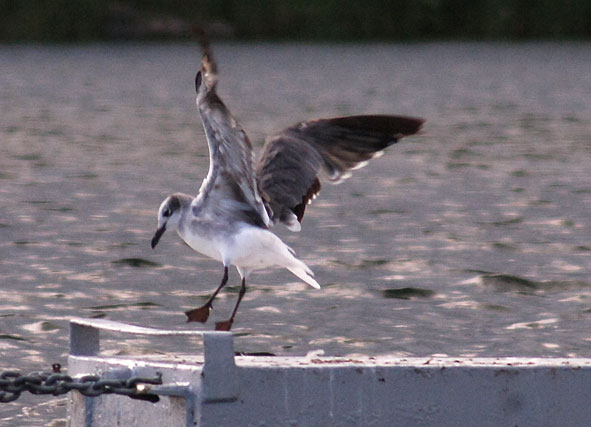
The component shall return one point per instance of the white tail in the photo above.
(255, 248)
(303, 272)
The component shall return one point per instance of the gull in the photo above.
(240, 200)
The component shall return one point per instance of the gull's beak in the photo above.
(158, 235)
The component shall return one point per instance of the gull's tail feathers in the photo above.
(257, 248)
(288, 260)
(301, 270)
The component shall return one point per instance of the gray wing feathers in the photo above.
(231, 167)
(287, 172)
(287, 177)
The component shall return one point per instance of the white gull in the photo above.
(239, 200)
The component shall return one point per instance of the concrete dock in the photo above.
(221, 389)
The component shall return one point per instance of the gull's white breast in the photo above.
(212, 248)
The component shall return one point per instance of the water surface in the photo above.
(472, 239)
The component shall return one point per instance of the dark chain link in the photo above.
(12, 384)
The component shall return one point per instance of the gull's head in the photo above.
(169, 216)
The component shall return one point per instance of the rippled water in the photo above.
(473, 239)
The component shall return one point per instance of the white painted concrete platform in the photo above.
(218, 389)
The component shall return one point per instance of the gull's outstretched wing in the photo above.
(230, 187)
(287, 171)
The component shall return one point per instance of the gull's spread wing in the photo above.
(230, 186)
(288, 169)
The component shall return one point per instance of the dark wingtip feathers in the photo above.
(409, 125)
(198, 78)
(310, 194)
(399, 125)
(201, 36)
(208, 70)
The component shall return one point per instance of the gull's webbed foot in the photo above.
(225, 325)
(200, 314)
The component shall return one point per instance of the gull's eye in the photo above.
(166, 213)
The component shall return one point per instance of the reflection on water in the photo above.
(472, 239)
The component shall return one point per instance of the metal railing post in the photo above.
(220, 378)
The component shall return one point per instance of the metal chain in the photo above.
(12, 384)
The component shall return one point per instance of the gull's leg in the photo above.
(202, 313)
(226, 325)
